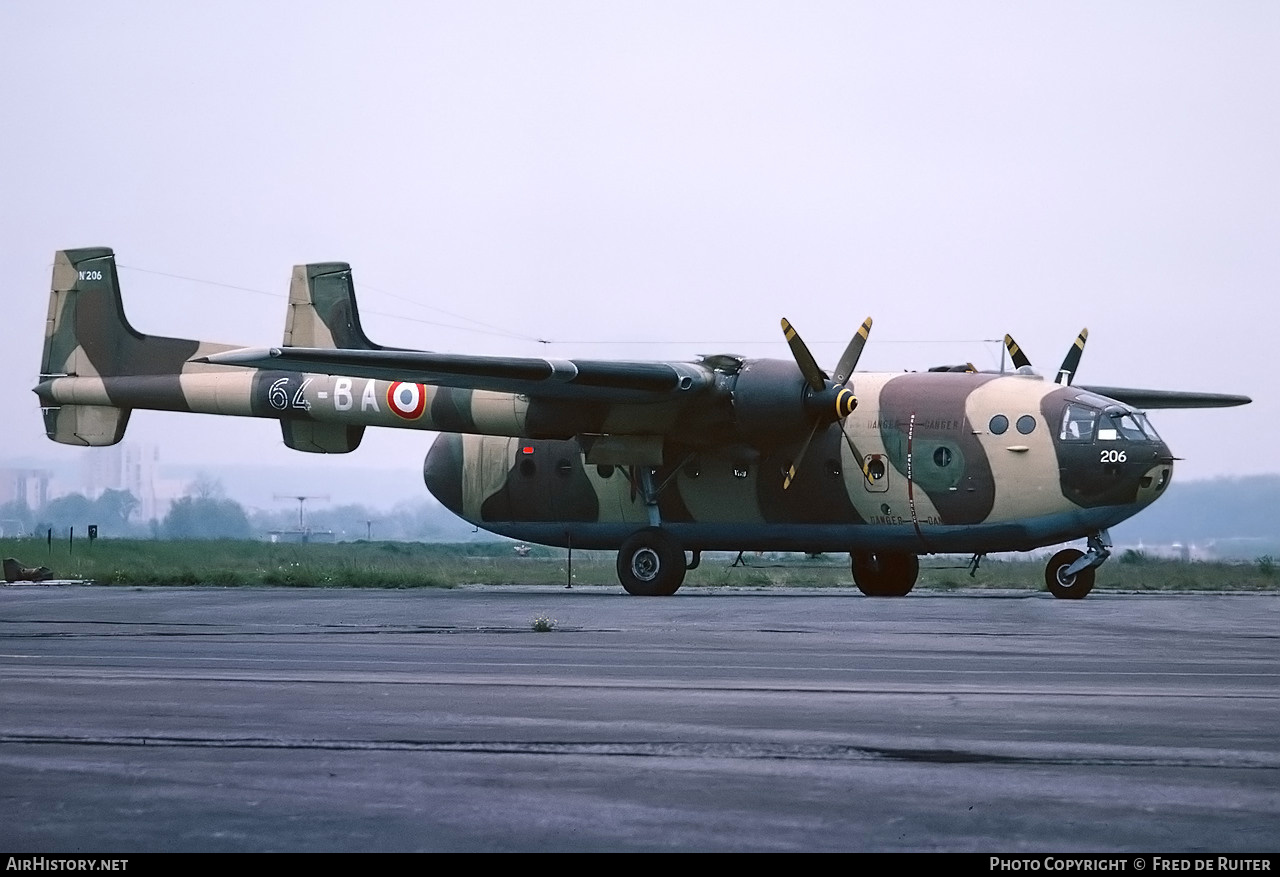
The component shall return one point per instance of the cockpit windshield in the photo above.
(1127, 425)
(1147, 427)
(1080, 423)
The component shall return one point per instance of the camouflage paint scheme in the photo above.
(589, 452)
(994, 493)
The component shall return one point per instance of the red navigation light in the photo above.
(527, 449)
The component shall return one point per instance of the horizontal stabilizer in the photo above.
(1168, 398)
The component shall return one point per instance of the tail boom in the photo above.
(96, 369)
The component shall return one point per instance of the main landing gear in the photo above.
(884, 573)
(651, 563)
(1070, 573)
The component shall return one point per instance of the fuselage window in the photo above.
(605, 470)
(1026, 424)
(942, 457)
(998, 424)
(1078, 423)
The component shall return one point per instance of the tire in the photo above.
(651, 564)
(1065, 587)
(884, 573)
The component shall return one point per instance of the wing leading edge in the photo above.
(585, 379)
(1146, 399)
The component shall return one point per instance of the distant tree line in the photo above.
(205, 512)
(1227, 517)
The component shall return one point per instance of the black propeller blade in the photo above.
(816, 377)
(1067, 370)
(851, 353)
(1015, 352)
(827, 399)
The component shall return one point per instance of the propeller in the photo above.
(1066, 371)
(827, 400)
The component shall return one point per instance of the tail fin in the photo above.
(95, 267)
(88, 337)
(323, 313)
(322, 309)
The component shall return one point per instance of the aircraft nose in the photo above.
(442, 471)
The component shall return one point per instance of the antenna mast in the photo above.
(301, 503)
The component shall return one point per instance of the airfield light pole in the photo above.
(301, 502)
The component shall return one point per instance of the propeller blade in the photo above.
(853, 449)
(816, 377)
(795, 464)
(849, 361)
(1069, 365)
(1015, 352)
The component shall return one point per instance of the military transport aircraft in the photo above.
(657, 460)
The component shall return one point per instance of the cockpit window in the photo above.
(1078, 423)
(1117, 425)
(1147, 427)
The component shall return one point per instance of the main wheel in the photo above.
(885, 573)
(651, 564)
(1068, 587)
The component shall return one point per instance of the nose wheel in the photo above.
(1068, 585)
(1070, 573)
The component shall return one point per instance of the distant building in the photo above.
(301, 536)
(30, 486)
(126, 467)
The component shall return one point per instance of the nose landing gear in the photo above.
(1070, 573)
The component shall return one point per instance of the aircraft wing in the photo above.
(1145, 399)
(581, 379)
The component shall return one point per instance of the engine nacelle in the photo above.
(769, 402)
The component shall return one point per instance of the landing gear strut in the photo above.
(884, 573)
(1070, 573)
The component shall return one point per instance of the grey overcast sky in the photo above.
(658, 180)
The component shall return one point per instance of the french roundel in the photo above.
(407, 400)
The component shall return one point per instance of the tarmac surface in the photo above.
(138, 720)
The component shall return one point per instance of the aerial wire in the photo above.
(499, 332)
